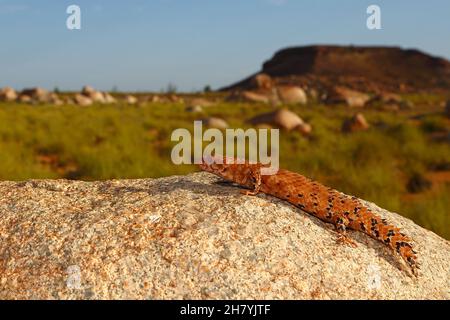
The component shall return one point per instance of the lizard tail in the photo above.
(404, 247)
(394, 238)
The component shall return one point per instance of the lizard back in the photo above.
(327, 204)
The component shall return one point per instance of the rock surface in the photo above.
(193, 237)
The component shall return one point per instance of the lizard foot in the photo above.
(249, 193)
(342, 238)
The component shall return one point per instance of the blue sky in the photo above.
(143, 45)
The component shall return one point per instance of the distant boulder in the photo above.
(108, 98)
(68, 100)
(87, 90)
(194, 109)
(304, 128)
(199, 102)
(54, 99)
(291, 95)
(37, 95)
(154, 99)
(175, 99)
(8, 94)
(23, 98)
(357, 123)
(98, 96)
(129, 99)
(83, 100)
(249, 96)
(94, 95)
(214, 122)
(282, 119)
(389, 97)
(352, 98)
(262, 81)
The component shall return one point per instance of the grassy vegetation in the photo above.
(104, 142)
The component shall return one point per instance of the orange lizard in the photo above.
(327, 204)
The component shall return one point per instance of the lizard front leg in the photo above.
(256, 180)
(340, 224)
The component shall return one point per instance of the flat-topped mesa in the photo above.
(362, 68)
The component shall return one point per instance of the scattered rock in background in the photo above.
(304, 128)
(447, 109)
(23, 98)
(214, 122)
(174, 98)
(291, 95)
(313, 93)
(352, 98)
(8, 94)
(281, 118)
(94, 95)
(98, 96)
(54, 99)
(248, 96)
(194, 109)
(38, 95)
(129, 99)
(108, 98)
(262, 81)
(82, 100)
(154, 99)
(357, 123)
(389, 97)
(69, 100)
(199, 102)
(32, 95)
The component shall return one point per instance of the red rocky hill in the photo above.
(368, 69)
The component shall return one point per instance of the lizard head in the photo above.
(218, 165)
(228, 168)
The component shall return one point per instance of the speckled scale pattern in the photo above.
(327, 204)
